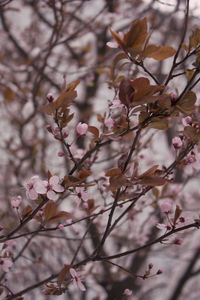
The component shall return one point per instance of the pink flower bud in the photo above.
(57, 129)
(61, 226)
(127, 292)
(57, 137)
(159, 272)
(150, 266)
(60, 154)
(176, 142)
(178, 241)
(81, 128)
(65, 134)
(50, 97)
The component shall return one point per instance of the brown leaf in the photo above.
(158, 52)
(59, 216)
(137, 34)
(50, 210)
(152, 180)
(126, 92)
(194, 40)
(118, 39)
(27, 211)
(63, 274)
(8, 94)
(150, 171)
(188, 101)
(113, 172)
(94, 130)
(83, 174)
(177, 214)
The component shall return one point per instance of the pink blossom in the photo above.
(81, 195)
(16, 201)
(163, 226)
(5, 264)
(187, 121)
(34, 186)
(54, 186)
(192, 160)
(81, 128)
(10, 243)
(116, 103)
(76, 279)
(165, 207)
(176, 142)
(61, 226)
(109, 123)
(127, 292)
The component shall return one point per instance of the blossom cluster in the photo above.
(35, 186)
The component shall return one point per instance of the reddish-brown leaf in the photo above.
(50, 210)
(59, 216)
(63, 274)
(113, 172)
(137, 34)
(94, 130)
(158, 52)
(27, 211)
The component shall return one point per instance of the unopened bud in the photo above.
(50, 97)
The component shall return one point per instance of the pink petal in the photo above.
(80, 285)
(54, 180)
(58, 188)
(73, 272)
(51, 195)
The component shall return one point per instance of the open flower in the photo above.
(35, 186)
(54, 186)
(76, 280)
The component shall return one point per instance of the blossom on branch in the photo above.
(76, 280)
(53, 186)
(35, 186)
